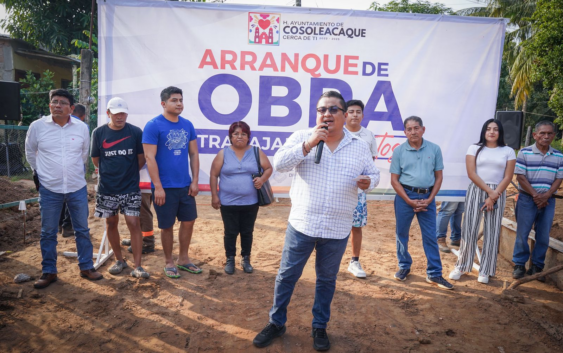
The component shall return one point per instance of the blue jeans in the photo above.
(51, 204)
(528, 215)
(452, 213)
(296, 251)
(427, 222)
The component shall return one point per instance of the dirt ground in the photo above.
(215, 312)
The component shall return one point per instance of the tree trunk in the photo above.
(528, 135)
(86, 80)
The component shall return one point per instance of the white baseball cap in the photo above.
(117, 105)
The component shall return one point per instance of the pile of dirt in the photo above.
(11, 220)
(15, 191)
(216, 312)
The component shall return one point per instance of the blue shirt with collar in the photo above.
(416, 167)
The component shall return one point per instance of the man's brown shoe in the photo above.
(45, 280)
(91, 274)
(442, 245)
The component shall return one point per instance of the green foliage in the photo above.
(35, 98)
(547, 46)
(504, 101)
(48, 24)
(417, 6)
(557, 144)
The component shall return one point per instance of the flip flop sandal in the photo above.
(171, 269)
(186, 267)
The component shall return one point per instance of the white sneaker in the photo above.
(483, 279)
(356, 269)
(455, 274)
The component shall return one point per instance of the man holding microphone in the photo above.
(323, 196)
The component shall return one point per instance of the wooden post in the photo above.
(528, 136)
(86, 80)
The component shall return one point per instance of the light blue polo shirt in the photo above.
(416, 167)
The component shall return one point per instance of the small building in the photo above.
(17, 57)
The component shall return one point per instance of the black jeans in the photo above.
(64, 220)
(239, 219)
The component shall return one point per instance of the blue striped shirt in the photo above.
(541, 170)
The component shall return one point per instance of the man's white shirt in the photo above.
(58, 153)
(324, 196)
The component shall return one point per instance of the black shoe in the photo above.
(68, 232)
(265, 338)
(245, 263)
(519, 272)
(455, 242)
(440, 282)
(126, 242)
(146, 249)
(320, 339)
(401, 275)
(536, 269)
(230, 265)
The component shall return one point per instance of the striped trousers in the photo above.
(470, 231)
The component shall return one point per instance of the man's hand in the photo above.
(422, 205)
(159, 196)
(363, 183)
(416, 206)
(540, 199)
(319, 134)
(193, 190)
(215, 202)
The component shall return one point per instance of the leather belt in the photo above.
(418, 190)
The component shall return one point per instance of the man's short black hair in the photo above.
(333, 94)
(168, 91)
(414, 118)
(59, 92)
(79, 110)
(353, 102)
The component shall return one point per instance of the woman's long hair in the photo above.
(483, 141)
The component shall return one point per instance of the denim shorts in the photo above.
(178, 204)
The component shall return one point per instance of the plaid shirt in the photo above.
(324, 196)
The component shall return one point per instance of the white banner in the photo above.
(269, 65)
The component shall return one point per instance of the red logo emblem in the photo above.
(111, 144)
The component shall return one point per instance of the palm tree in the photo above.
(518, 13)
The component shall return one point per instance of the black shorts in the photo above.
(109, 205)
(178, 204)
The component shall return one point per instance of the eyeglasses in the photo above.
(332, 110)
(62, 103)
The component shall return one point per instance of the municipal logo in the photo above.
(264, 28)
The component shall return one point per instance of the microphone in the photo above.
(320, 147)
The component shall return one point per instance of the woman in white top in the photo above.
(490, 166)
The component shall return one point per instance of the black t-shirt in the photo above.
(118, 164)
